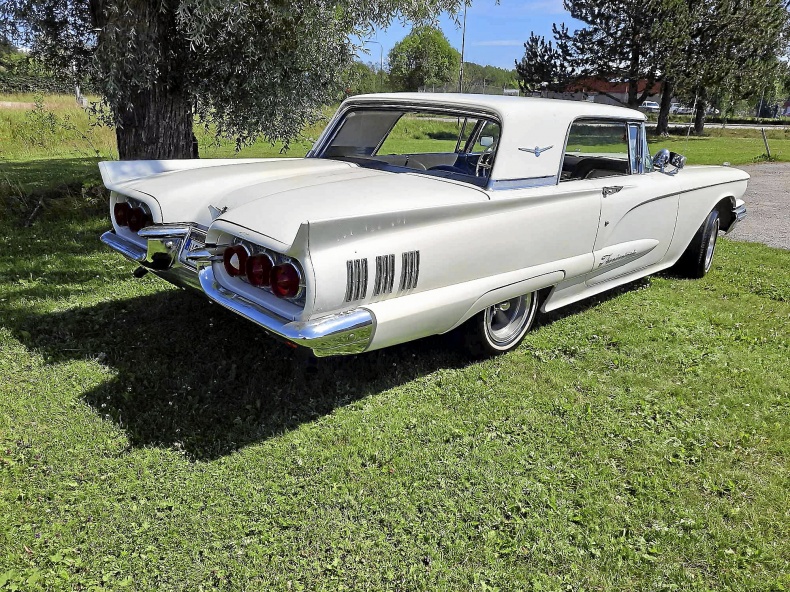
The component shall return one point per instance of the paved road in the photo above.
(768, 127)
(768, 206)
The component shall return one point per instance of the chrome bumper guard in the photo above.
(738, 214)
(344, 333)
(125, 247)
(161, 256)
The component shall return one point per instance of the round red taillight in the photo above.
(137, 219)
(285, 280)
(121, 213)
(235, 260)
(259, 268)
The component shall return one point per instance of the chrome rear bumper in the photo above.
(344, 333)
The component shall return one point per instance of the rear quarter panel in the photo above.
(518, 242)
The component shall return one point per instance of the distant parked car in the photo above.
(519, 205)
(684, 110)
(650, 107)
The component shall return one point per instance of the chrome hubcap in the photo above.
(505, 322)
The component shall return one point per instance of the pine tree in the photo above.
(619, 42)
(544, 65)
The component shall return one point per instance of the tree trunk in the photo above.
(633, 93)
(699, 115)
(157, 126)
(662, 127)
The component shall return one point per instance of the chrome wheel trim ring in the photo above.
(506, 322)
(711, 245)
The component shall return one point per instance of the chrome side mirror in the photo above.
(486, 141)
(664, 157)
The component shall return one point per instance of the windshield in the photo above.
(437, 143)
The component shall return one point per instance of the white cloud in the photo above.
(499, 43)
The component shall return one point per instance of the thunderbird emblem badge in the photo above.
(536, 150)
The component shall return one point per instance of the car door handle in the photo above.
(611, 190)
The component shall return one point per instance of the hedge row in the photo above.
(25, 83)
(749, 120)
(687, 120)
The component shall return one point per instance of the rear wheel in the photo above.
(698, 256)
(502, 327)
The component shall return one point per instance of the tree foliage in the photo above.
(423, 58)
(699, 49)
(732, 48)
(477, 75)
(620, 41)
(365, 78)
(545, 66)
(247, 69)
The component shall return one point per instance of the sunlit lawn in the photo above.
(152, 441)
(148, 439)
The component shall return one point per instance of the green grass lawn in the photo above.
(736, 146)
(150, 440)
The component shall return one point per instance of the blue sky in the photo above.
(495, 33)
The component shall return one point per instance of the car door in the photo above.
(638, 214)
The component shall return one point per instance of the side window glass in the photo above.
(596, 149)
(467, 129)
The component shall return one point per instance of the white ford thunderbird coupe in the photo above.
(418, 214)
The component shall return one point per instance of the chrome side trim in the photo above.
(343, 333)
(509, 184)
(124, 246)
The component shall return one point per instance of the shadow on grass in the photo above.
(49, 174)
(193, 376)
(33, 189)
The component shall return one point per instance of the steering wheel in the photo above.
(484, 163)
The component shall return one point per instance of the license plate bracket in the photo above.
(195, 241)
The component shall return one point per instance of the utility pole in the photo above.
(463, 43)
(381, 60)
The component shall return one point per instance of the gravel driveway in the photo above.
(768, 206)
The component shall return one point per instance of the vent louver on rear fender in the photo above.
(356, 279)
(410, 272)
(385, 274)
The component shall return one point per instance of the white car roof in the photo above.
(527, 122)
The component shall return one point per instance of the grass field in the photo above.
(150, 440)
